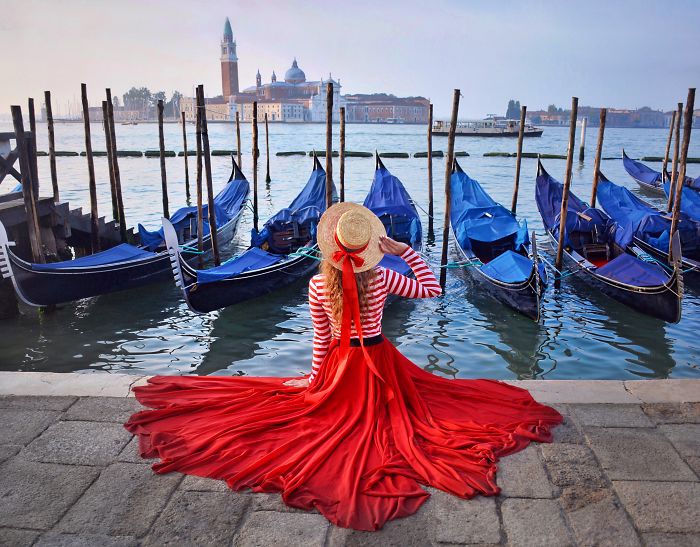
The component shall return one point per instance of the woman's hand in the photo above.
(390, 247)
(300, 382)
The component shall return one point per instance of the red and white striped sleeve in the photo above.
(425, 285)
(322, 326)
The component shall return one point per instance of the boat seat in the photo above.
(595, 252)
(289, 239)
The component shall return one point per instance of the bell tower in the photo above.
(229, 63)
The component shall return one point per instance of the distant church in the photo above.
(297, 100)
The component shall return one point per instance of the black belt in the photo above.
(371, 341)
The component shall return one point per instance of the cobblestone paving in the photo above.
(617, 474)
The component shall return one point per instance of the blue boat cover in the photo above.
(120, 253)
(475, 216)
(509, 267)
(584, 224)
(629, 269)
(638, 171)
(306, 208)
(227, 204)
(639, 219)
(388, 199)
(690, 201)
(253, 259)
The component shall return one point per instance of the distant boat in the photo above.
(394, 120)
(488, 127)
(130, 123)
(650, 180)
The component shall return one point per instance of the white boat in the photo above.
(488, 127)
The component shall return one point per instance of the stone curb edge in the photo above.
(103, 384)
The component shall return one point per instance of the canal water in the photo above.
(463, 334)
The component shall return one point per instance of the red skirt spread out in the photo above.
(355, 446)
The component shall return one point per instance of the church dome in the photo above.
(294, 75)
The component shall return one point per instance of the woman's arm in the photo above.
(425, 285)
(322, 329)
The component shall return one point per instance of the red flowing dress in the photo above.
(362, 440)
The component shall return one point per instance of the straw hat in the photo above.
(354, 227)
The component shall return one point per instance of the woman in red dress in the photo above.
(360, 437)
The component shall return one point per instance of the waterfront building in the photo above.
(383, 108)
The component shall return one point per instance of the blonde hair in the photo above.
(334, 289)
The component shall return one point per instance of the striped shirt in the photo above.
(385, 282)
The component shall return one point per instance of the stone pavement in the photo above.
(624, 470)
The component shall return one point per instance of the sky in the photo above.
(607, 52)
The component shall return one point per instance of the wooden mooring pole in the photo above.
(448, 190)
(267, 150)
(211, 212)
(32, 150)
(115, 166)
(200, 216)
(163, 174)
(680, 178)
(667, 153)
(342, 154)
(238, 139)
(184, 146)
(598, 155)
(94, 222)
(582, 147)
(23, 148)
(256, 152)
(52, 145)
(567, 186)
(676, 151)
(110, 163)
(519, 157)
(329, 144)
(430, 172)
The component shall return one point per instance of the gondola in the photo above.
(124, 266)
(650, 180)
(690, 201)
(281, 253)
(390, 201)
(595, 249)
(648, 228)
(285, 249)
(496, 247)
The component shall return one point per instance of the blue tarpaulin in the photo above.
(639, 219)
(690, 201)
(120, 253)
(253, 259)
(388, 199)
(227, 204)
(476, 217)
(629, 269)
(509, 267)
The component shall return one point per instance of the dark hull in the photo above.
(663, 302)
(212, 296)
(522, 297)
(490, 135)
(44, 288)
(650, 188)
